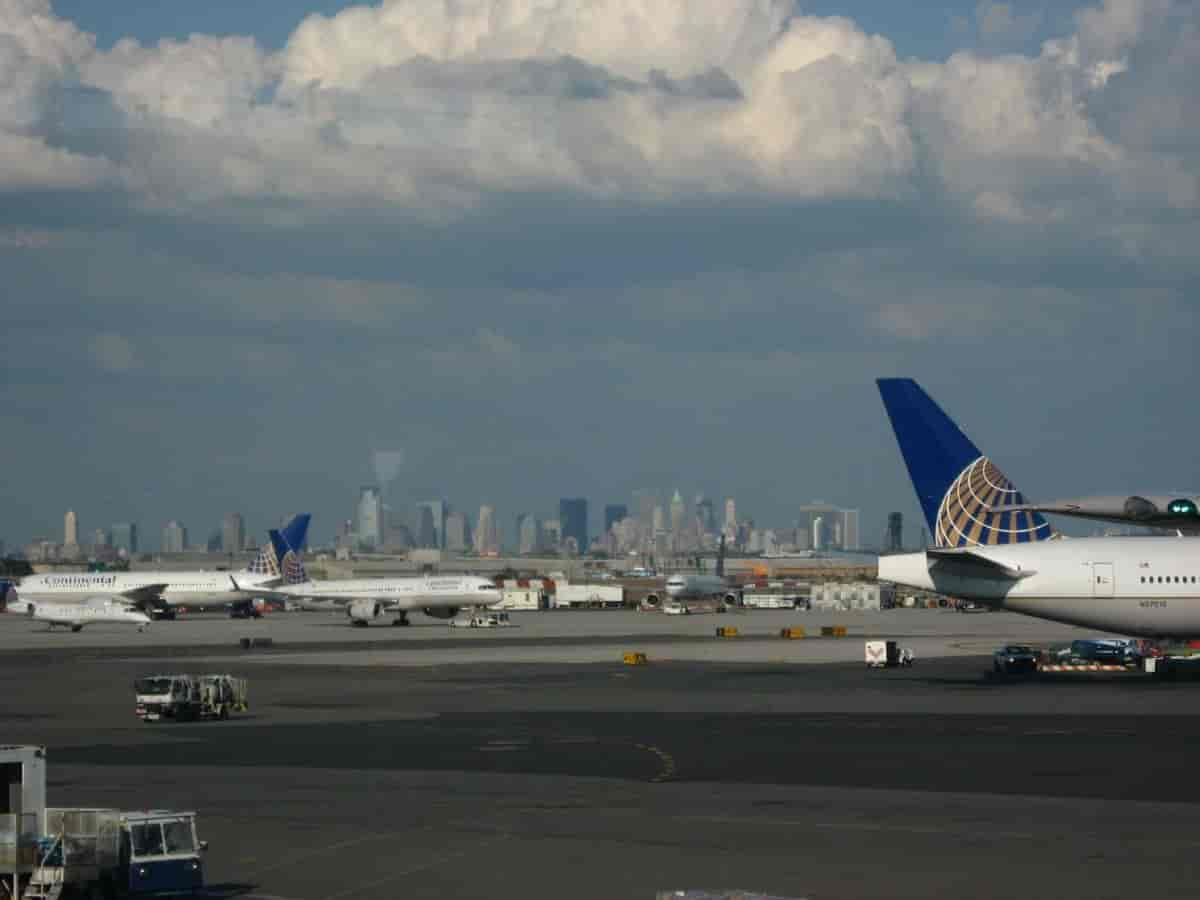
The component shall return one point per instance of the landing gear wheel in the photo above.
(401, 620)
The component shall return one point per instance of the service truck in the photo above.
(189, 697)
(48, 852)
(107, 853)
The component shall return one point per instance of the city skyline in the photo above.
(367, 529)
(587, 250)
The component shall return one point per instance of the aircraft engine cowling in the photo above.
(653, 601)
(441, 612)
(731, 599)
(364, 612)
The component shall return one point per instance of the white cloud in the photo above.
(432, 109)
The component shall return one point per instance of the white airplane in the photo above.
(368, 600)
(95, 611)
(682, 587)
(990, 549)
(157, 592)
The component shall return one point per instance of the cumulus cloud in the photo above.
(432, 109)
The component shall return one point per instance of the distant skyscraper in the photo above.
(100, 538)
(174, 538)
(573, 514)
(730, 526)
(233, 533)
(125, 537)
(552, 535)
(659, 521)
(528, 534)
(644, 502)
(368, 516)
(70, 529)
(818, 535)
(437, 517)
(895, 532)
(704, 513)
(614, 513)
(458, 532)
(426, 533)
(486, 537)
(677, 511)
(850, 538)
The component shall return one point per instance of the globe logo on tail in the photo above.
(963, 519)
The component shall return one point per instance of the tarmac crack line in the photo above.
(411, 870)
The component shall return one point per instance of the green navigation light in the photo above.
(1182, 508)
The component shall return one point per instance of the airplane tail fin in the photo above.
(287, 546)
(955, 483)
(269, 560)
(721, 558)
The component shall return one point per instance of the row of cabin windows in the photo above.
(1149, 579)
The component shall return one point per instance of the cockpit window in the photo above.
(487, 587)
(147, 839)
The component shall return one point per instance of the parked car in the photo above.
(1114, 651)
(1013, 658)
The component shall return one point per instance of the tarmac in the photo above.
(529, 762)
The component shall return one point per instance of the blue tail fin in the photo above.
(270, 561)
(955, 483)
(287, 547)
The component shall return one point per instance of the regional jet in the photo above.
(988, 548)
(92, 612)
(368, 600)
(683, 587)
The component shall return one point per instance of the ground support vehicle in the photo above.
(887, 654)
(107, 853)
(482, 620)
(47, 852)
(189, 697)
(774, 601)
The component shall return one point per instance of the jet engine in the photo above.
(731, 599)
(441, 612)
(652, 601)
(363, 612)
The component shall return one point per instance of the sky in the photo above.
(540, 249)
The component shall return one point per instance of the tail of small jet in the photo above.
(955, 483)
(270, 561)
(287, 548)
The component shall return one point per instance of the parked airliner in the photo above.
(157, 591)
(96, 611)
(987, 552)
(682, 587)
(368, 600)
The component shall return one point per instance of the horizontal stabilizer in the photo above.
(969, 564)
